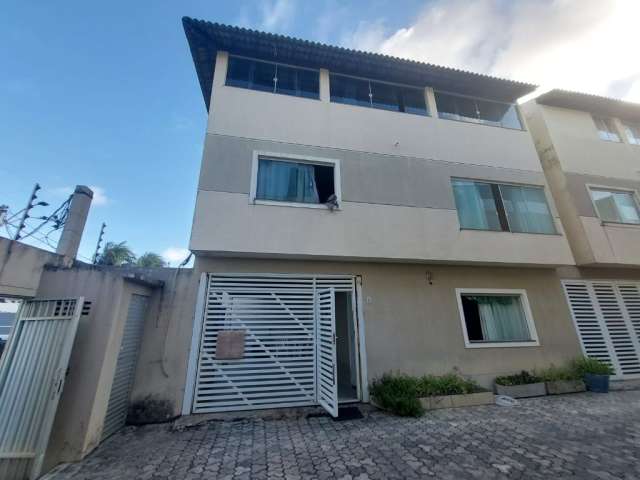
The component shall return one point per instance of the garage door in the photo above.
(280, 318)
(606, 315)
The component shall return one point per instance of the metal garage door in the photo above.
(32, 373)
(126, 366)
(279, 317)
(607, 317)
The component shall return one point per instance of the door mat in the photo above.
(348, 413)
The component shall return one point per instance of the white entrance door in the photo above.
(607, 317)
(32, 372)
(327, 373)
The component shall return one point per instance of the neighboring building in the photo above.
(589, 147)
(358, 214)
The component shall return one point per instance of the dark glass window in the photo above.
(385, 96)
(468, 109)
(272, 77)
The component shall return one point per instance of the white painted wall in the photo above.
(227, 223)
(262, 115)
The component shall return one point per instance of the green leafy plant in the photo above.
(522, 378)
(398, 393)
(449, 384)
(556, 374)
(584, 365)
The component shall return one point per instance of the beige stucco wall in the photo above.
(573, 158)
(80, 416)
(414, 327)
(21, 267)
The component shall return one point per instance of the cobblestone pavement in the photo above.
(586, 436)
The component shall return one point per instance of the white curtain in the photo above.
(502, 319)
(475, 205)
(286, 182)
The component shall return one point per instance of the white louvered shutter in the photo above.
(327, 374)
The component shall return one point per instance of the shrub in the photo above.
(522, 378)
(584, 365)
(398, 394)
(449, 384)
(555, 374)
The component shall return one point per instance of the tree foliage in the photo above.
(116, 254)
(150, 260)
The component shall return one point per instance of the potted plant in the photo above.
(561, 380)
(450, 391)
(594, 372)
(520, 385)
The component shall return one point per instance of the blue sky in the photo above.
(105, 93)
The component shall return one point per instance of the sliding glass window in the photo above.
(273, 77)
(509, 208)
(384, 96)
(486, 112)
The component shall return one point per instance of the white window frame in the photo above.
(634, 193)
(627, 126)
(524, 302)
(333, 162)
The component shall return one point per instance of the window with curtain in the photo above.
(495, 318)
(381, 95)
(294, 182)
(469, 109)
(509, 208)
(616, 205)
(633, 132)
(273, 77)
(606, 129)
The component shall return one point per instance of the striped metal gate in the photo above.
(278, 315)
(125, 372)
(327, 364)
(32, 373)
(607, 317)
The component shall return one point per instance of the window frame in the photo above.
(393, 84)
(478, 121)
(634, 194)
(503, 217)
(293, 158)
(226, 76)
(627, 127)
(616, 130)
(526, 307)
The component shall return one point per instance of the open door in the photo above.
(326, 361)
(32, 374)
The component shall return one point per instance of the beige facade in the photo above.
(575, 159)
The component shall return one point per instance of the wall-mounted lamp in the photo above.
(430, 278)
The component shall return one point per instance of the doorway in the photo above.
(346, 348)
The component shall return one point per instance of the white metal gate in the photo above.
(126, 366)
(278, 314)
(607, 317)
(32, 372)
(327, 367)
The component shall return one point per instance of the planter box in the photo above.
(454, 401)
(522, 391)
(597, 383)
(560, 387)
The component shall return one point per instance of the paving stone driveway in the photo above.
(586, 436)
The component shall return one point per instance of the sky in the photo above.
(104, 94)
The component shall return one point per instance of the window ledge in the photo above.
(272, 93)
(275, 203)
(555, 234)
(482, 124)
(532, 343)
(605, 223)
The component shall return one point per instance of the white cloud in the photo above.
(276, 14)
(175, 255)
(584, 45)
(100, 197)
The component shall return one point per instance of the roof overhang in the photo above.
(206, 39)
(604, 106)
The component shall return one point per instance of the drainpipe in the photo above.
(74, 226)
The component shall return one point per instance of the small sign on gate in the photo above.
(230, 345)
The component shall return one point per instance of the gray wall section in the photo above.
(577, 182)
(366, 177)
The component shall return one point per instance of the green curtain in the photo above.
(286, 182)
